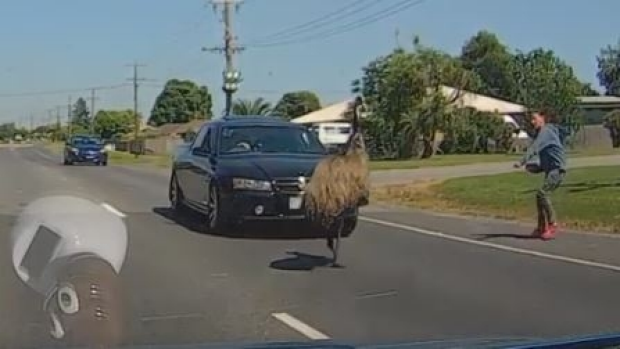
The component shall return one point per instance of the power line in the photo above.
(60, 92)
(390, 11)
(268, 92)
(340, 13)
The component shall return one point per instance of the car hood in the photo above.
(268, 167)
(596, 341)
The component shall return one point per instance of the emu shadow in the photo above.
(484, 237)
(302, 262)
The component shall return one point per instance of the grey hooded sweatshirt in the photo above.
(549, 149)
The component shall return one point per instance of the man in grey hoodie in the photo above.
(549, 148)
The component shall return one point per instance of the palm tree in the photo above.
(257, 106)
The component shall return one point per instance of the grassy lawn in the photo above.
(589, 198)
(439, 160)
(464, 159)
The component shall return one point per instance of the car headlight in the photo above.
(250, 184)
(75, 150)
(103, 150)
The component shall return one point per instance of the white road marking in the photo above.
(505, 248)
(299, 326)
(113, 210)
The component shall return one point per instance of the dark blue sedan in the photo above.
(85, 149)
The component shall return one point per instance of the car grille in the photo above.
(289, 185)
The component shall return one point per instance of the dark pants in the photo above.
(546, 213)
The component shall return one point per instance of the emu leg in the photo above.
(333, 242)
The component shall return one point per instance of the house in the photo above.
(341, 112)
(178, 130)
(594, 108)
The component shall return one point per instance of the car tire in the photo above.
(105, 163)
(175, 195)
(67, 162)
(216, 222)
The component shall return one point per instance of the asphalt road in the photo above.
(408, 275)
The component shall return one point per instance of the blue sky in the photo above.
(77, 44)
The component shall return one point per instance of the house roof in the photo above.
(334, 112)
(599, 99)
(482, 102)
(338, 111)
(177, 128)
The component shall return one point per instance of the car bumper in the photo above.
(260, 206)
(88, 158)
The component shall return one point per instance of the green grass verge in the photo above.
(436, 161)
(465, 159)
(124, 158)
(589, 198)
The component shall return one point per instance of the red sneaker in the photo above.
(550, 232)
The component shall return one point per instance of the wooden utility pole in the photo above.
(58, 123)
(92, 99)
(135, 80)
(69, 117)
(232, 77)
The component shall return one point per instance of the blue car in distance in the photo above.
(85, 149)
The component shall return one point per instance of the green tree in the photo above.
(257, 106)
(7, 130)
(588, 90)
(80, 115)
(612, 123)
(109, 123)
(609, 69)
(297, 103)
(547, 82)
(490, 59)
(404, 92)
(181, 101)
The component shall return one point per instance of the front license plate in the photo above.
(294, 202)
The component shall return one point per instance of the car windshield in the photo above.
(269, 139)
(86, 141)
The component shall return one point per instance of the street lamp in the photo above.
(232, 78)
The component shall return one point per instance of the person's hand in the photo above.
(517, 165)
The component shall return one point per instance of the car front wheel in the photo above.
(175, 195)
(217, 222)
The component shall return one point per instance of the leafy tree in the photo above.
(109, 123)
(7, 130)
(80, 115)
(257, 106)
(609, 69)
(181, 101)
(297, 103)
(612, 123)
(588, 90)
(404, 93)
(488, 57)
(546, 82)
